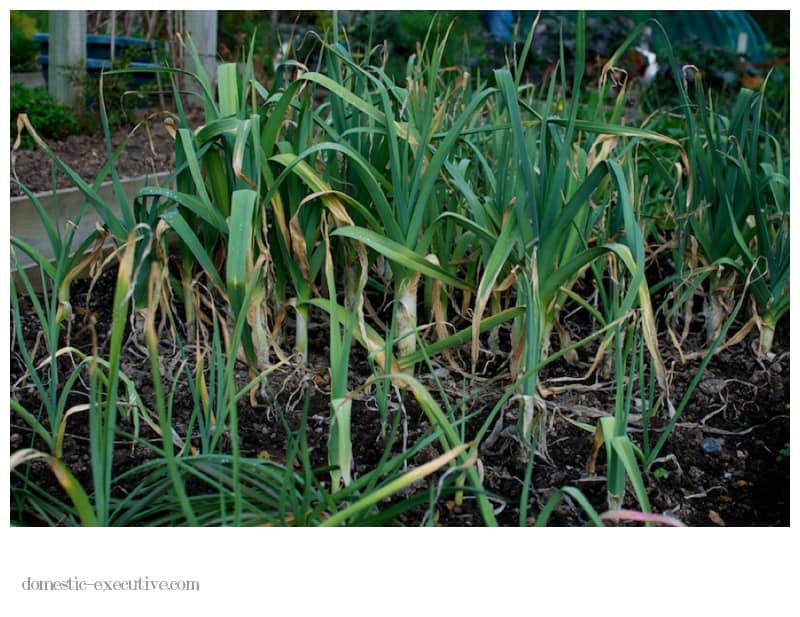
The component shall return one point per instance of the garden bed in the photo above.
(725, 463)
(150, 150)
(546, 310)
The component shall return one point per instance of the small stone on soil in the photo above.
(711, 445)
(713, 386)
(671, 514)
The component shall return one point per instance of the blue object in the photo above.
(500, 24)
(99, 46)
(94, 66)
(133, 49)
(139, 52)
(711, 445)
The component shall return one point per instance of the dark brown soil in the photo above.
(741, 404)
(150, 149)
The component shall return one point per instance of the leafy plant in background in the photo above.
(23, 51)
(23, 48)
(721, 66)
(557, 39)
(51, 119)
(466, 45)
(236, 31)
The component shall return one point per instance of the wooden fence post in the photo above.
(66, 55)
(202, 27)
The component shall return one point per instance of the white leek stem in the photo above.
(301, 333)
(407, 315)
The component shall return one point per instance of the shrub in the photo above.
(23, 51)
(27, 22)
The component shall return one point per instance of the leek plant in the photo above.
(208, 215)
(557, 195)
(768, 255)
(119, 226)
(635, 374)
(104, 400)
(216, 215)
(407, 132)
(652, 445)
(740, 207)
(621, 462)
(296, 233)
(341, 337)
(52, 308)
(164, 420)
(104, 380)
(55, 387)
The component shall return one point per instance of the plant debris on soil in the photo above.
(725, 463)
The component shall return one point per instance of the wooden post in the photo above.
(202, 27)
(66, 55)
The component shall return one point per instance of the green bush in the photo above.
(23, 51)
(50, 119)
(29, 22)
